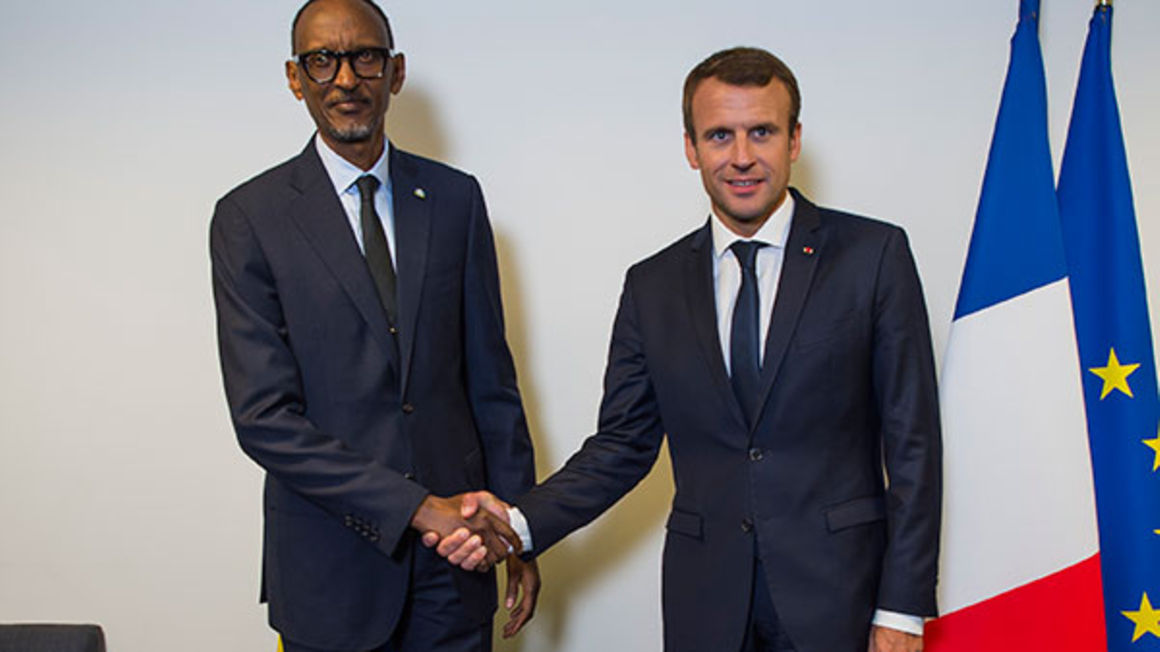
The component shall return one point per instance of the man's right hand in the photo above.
(484, 538)
(461, 548)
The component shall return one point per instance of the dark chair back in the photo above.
(51, 638)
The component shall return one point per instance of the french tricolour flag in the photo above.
(1020, 549)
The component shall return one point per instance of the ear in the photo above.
(293, 79)
(399, 63)
(691, 152)
(795, 143)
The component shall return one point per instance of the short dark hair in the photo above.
(378, 10)
(741, 66)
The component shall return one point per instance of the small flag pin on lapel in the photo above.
(420, 193)
(809, 251)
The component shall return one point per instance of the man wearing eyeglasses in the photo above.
(365, 366)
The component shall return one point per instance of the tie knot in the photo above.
(746, 252)
(367, 184)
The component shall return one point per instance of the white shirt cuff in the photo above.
(520, 525)
(891, 619)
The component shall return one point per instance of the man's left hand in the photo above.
(884, 639)
(522, 577)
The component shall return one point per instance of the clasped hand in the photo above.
(476, 539)
(485, 537)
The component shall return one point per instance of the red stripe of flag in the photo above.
(1063, 612)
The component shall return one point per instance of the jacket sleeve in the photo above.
(907, 399)
(612, 461)
(264, 390)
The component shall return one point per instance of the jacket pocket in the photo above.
(855, 512)
(685, 523)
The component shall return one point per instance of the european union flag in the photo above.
(1116, 356)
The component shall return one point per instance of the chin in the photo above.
(355, 134)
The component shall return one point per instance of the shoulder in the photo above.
(272, 186)
(847, 223)
(849, 230)
(668, 259)
(428, 174)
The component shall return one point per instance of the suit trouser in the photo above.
(433, 619)
(763, 633)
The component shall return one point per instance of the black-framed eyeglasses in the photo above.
(367, 63)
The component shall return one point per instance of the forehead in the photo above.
(339, 24)
(716, 104)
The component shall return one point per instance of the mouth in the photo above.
(743, 185)
(348, 104)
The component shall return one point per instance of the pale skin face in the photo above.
(349, 111)
(744, 148)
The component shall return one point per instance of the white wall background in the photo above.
(123, 497)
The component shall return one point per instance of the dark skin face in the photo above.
(349, 111)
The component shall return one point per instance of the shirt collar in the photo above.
(343, 173)
(774, 232)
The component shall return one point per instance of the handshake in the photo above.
(473, 531)
(467, 536)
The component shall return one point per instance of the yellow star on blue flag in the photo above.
(1154, 444)
(1146, 618)
(1115, 375)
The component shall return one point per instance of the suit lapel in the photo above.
(412, 213)
(701, 295)
(806, 245)
(322, 219)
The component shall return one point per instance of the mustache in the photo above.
(340, 96)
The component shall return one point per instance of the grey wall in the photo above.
(123, 497)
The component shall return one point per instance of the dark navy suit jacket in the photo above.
(849, 390)
(352, 429)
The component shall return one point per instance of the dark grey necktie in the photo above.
(375, 248)
(745, 340)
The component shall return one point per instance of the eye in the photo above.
(366, 56)
(319, 59)
(762, 132)
(718, 135)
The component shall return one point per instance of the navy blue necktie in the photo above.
(375, 248)
(745, 340)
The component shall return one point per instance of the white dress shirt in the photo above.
(343, 174)
(727, 272)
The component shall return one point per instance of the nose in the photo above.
(345, 78)
(742, 153)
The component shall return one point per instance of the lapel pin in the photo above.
(420, 193)
(809, 251)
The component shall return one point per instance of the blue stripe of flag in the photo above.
(1016, 244)
(1111, 312)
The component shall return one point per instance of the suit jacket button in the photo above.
(755, 454)
(408, 408)
(408, 476)
(746, 525)
(393, 331)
